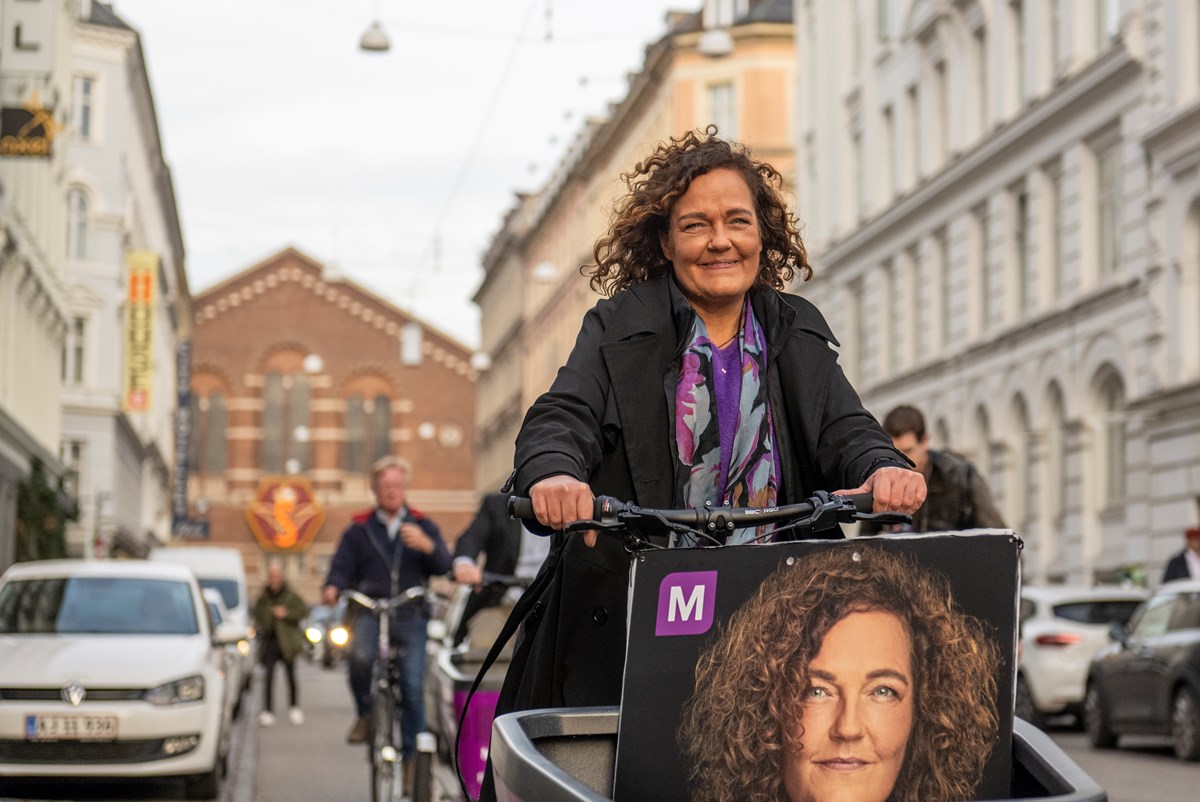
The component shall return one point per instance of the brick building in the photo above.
(301, 380)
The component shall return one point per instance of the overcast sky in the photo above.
(279, 131)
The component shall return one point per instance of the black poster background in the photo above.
(983, 573)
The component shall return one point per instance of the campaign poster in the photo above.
(870, 669)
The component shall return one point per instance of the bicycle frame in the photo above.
(382, 746)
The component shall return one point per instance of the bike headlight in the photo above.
(313, 634)
(340, 636)
(181, 691)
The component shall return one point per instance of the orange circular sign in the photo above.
(284, 515)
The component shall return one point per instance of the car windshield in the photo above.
(97, 605)
(228, 589)
(1100, 611)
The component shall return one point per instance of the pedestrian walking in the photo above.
(277, 617)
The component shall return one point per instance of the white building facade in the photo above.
(34, 86)
(1002, 206)
(120, 203)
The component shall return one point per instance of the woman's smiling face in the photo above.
(858, 713)
(713, 242)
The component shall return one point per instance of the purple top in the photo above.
(727, 376)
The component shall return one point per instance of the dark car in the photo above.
(1148, 680)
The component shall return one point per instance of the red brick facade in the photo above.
(280, 324)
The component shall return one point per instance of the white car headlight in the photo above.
(313, 634)
(181, 691)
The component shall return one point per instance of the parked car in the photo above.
(1148, 680)
(231, 663)
(111, 669)
(222, 569)
(1062, 627)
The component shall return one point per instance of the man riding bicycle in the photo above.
(393, 535)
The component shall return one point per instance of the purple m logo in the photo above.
(685, 603)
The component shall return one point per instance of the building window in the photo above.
(83, 113)
(355, 424)
(207, 454)
(1108, 21)
(981, 78)
(883, 19)
(1025, 278)
(914, 132)
(74, 350)
(720, 109)
(77, 224)
(1112, 405)
(1056, 447)
(891, 170)
(859, 184)
(944, 274)
(982, 271)
(286, 434)
(892, 313)
(941, 102)
(1058, 241)
(368, 426)
(1108, 211)
(1017, 28)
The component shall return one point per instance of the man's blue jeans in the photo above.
(409, 636)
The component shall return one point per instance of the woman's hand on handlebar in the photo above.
(561, 499)
(467, 573)
(894, 489)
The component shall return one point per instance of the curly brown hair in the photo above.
(740, 724)
(630, 251)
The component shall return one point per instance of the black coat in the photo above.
(608, 420)
(1177, 568)
(492, 533)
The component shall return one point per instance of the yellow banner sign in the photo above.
(139, 330)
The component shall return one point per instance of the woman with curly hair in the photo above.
(849, 675)
(697, 382)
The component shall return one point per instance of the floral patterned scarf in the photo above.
(751, 477)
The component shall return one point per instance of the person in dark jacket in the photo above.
(277, 616)
(505, 548)
(698, 381)
(957, 497)
(393, 537)
(1185, 564)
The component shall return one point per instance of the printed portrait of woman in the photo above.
(849, 676)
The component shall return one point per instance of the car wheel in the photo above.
(1095, 720)
(1024, 707)
(204, 786)
(1185, 725)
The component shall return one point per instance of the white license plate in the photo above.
(70, 728)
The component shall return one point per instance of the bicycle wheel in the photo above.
(382, 748)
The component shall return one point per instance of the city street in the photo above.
(286, 763)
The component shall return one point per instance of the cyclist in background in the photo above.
(506, 547)
(393, 535)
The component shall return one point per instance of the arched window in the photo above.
(1112, 410)
(354, 448)
(77, 224)
(368, 426)
(207, 450)
(286, 416)
(380, 428)
(1056, 453)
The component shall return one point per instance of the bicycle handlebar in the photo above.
(372, 603)
(820, 512)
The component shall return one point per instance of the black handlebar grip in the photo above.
(863, 502)
(520, 508)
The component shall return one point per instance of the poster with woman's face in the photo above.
(865, 670)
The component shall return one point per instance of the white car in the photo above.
(111, 669)
(221, 568)
(229, 634)
(1062, 627)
